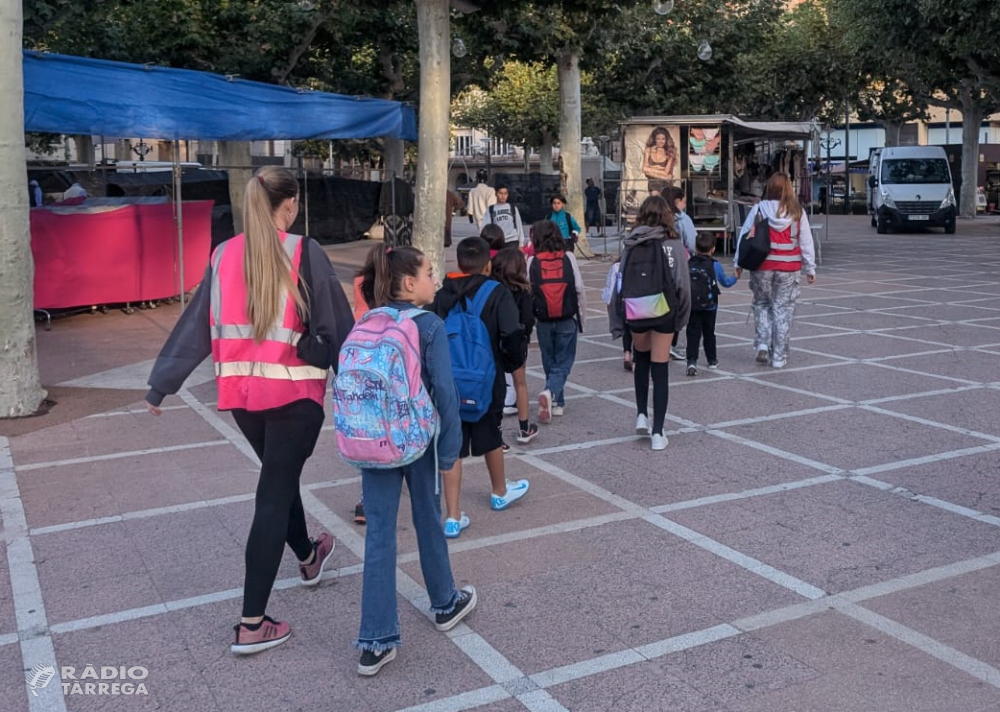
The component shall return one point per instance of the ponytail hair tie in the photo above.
(261, 181)
(388, 249)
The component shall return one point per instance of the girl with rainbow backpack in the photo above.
(395, 374)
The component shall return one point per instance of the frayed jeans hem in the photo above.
(378, 646)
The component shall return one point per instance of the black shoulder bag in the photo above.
(312, 347)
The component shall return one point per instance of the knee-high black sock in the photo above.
(661, 393)
(640, 374)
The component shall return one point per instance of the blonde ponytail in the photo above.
(266, 267)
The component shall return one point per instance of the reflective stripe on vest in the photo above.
(251, 374)
(784, 254)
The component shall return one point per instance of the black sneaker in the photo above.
(506, 447)
(371, 662)
(526, 436)
(466, 602)
(692, 370)
(359, 513)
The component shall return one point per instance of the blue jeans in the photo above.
(381, 490)
(557, 342)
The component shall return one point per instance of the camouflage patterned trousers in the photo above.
(774, 295)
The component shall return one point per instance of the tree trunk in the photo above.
(21, 391)
(972, 118)
(433, 27)
(527, 159)
(892, 130)
(85, 149)
(545, 166)
(234, 158)
(570, 177)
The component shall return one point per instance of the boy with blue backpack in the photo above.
(706, 276)
(485, 339)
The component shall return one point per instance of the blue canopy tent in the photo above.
(96, 97)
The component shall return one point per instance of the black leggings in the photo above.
(627, 340)
(283, 439)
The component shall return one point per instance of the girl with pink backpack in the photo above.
(395, 388)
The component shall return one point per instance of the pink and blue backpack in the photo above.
(383, 414)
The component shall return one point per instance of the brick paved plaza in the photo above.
(824, 538)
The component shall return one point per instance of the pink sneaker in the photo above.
(323, 545)
(270, 634)
(545, 406)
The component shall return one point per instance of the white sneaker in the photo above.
(659, 442)
(642, 425)
(510, 410)
(777, 364)
(545, 406)
(676, 355)
(558, 410)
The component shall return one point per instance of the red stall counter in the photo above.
(85, 256)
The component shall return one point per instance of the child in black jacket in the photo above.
(511, 270)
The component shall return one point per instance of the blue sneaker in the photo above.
(515, 490)
(453, 527)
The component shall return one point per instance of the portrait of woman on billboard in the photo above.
(659, 160)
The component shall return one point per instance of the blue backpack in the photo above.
(472, 354)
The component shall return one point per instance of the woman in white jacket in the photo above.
(775, 284)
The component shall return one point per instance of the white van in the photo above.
(910, 186)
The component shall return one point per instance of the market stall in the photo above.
(721, 162)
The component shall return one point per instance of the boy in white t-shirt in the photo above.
(506, 217)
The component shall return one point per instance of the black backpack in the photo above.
(756, 245)
(648, 292)
(704, 287)
(553, 287)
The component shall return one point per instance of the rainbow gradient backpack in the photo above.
(383, 414)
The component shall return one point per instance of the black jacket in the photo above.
(502, 320)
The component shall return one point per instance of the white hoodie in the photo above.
(769, 209)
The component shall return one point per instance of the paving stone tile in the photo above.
(951, 334)
(129, 484)
(644, 586)
(962, 612)
(8, 624)
(88, 437)
(737, 669)
(943, 312)
(643, 686)
(13, 690)
(863, 346)
(976, 366)
(968, 481)
(858, 382)
(690, 469)
(869, 302)
(865, 320)
(842, 535)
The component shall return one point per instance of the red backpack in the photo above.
(553, 287)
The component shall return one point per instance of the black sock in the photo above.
(252, 626)
(524, 425)
(661, 393)
(640, 376)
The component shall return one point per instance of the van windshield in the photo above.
(915, 170)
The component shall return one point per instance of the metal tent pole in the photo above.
(179, 217)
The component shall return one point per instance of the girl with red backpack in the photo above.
(560, 306)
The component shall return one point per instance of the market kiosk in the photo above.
(721, 162)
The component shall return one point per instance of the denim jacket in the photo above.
(435, 362)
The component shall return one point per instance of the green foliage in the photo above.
(44, 144)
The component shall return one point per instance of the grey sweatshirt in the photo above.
(190, 342)
(678, 262)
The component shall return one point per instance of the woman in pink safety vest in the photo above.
(249, 314)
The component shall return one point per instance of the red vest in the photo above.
(785, 254)
(250, 375)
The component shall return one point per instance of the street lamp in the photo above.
(828, 142)
(487, 150)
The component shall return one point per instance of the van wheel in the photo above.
(874, 224)
(880, 225)
(949, 228)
